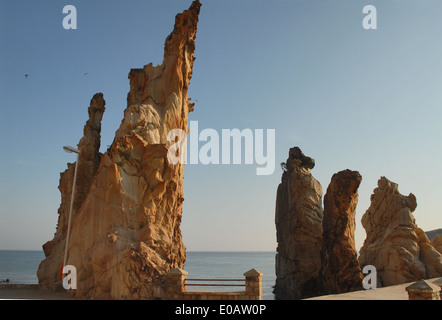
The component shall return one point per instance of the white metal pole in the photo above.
(70, 215)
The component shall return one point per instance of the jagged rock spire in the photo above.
(126, 233)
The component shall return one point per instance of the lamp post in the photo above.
(70, 150)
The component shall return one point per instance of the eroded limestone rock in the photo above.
(126, 233)
(340, 271)
(89, 160)
(298, 221)
(398, 249)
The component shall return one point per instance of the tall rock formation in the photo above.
(398, 249)
(298, 219)
(88, 162)
(340, 271)
(126, 233)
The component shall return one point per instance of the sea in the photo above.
(20, 267)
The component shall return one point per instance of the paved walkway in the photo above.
(30, 291)
(388, 293)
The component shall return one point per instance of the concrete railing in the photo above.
(176, 287)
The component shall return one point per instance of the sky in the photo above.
(351, 98)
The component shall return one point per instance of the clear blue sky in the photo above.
(366, 100)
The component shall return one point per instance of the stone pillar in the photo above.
(423, 290)
(253, 284)
(175, 283)
(438, 282)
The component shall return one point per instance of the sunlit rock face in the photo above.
(400, 251)
(88, 163)
(126, 226)
(298, 221)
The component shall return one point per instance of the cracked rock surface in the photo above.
(298, 219)
(126, 225)
(400, 251)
